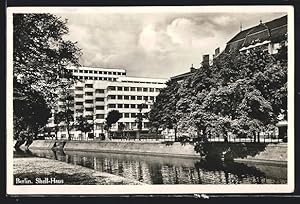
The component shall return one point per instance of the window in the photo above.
(105, 72)
(114, 79)
(109, 72)
(111, 88)
(89, 93)
(139, 89)
(112, 97)
(99, 116)
(132, 97)
(120, 88)
(104, 78)
(99, 107)
(85, 71)
(86, 78)
(120, 105)
(100, 72)
(80, 71)
(111, 105)
(95, 78)
(145, 89)
(99, 91)
(79, 110)
(126, 115)
(146, 125)
(90, 71)
(152, 98)
(79, 88)
(88, 109)
(123, 73)
(120, 97)
(114, 73)
(126, 88)
(126, 97)
(109, 79)
(132, 88)
(79, 96)
(133, 115)
(88, 101)
(99, 99)
(145, 98)
(95, 72)
(79, 103)
(139, 98)
(91, 78)
(151, 89)
(132, 106)
(89, 117)
(126, 105)
(99, 126)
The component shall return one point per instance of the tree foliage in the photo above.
(163, 114)
(113, 116)
(241, 93)
(41, 55)
(83, 125)
(30, 112)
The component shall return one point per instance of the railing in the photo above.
(162, 138)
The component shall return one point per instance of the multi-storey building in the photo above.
(270, 35)
(101, 90)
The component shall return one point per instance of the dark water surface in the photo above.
(171, 170)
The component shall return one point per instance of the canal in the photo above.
(171, 170)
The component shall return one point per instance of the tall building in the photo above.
(101, 90)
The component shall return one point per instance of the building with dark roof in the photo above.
(270, 35)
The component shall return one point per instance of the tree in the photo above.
(163, 114)
(83, 125)
(121, 127)
(31, 113)
(40, 58)
(139, 119)
(112, 117)
(40, 52)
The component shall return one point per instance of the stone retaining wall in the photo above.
(255, 151)
(153, 148)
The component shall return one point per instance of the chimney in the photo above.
(192, 69)
(217, 51)
(205, 61)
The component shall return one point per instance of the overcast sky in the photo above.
(154, 44)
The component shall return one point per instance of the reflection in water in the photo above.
(171, 170)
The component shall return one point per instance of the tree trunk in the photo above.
(18, 144)
(138, 134)
(175, 130)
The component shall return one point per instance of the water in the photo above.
(171, 170)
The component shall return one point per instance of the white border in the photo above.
(150, 189)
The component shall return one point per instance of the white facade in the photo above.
(101, 90)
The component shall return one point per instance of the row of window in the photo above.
(132, 106)
(139, 89)
(97, 78)
(120, 97)
(124, 115)
(98, 72)
(113, 97)
(143, 82)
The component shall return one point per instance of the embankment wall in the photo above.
(250, 151)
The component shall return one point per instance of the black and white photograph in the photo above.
(151, 100)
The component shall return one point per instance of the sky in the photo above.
(160, 44)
